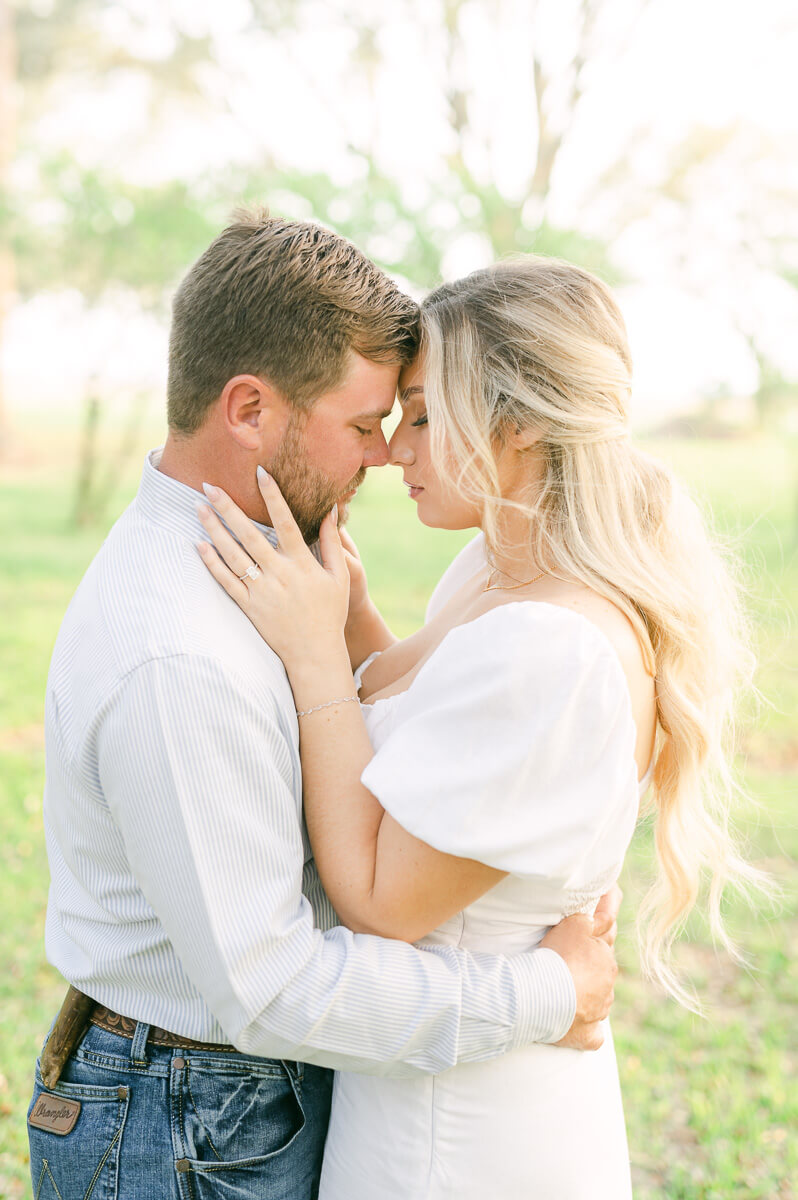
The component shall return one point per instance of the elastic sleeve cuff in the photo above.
(366, 663)
(546, 996)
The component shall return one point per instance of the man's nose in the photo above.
(377, 453)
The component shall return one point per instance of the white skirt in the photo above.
(541, 1123)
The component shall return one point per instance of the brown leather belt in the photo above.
(113, 1022)
(75, 1014)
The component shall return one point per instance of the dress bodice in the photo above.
(514, 745)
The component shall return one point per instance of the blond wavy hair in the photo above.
(537, 343)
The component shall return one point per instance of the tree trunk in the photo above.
(83, 511)
(7, 144)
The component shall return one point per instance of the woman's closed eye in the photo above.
(422, 420)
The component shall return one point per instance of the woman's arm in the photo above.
(379, 878)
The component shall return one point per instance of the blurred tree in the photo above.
(8, 67)
(775, 394)
(407, 235)
(100, 232)
(72, 222)
(755, 243)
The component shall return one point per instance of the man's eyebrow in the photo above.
(410, 391)
(381, 415)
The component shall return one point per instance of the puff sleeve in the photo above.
(514, 745)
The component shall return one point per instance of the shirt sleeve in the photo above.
(212, 829)
(514, 746)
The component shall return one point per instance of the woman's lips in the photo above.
(413, 491)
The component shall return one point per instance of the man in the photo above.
(184, 900)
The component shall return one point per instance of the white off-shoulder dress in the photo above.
(514, 745)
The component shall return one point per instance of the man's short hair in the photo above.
(285, 301)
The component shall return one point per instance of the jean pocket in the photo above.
(75, 1132)
(236, 1116)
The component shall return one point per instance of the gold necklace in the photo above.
(516, 585)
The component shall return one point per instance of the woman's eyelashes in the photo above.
(422, 420)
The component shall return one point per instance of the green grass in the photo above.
(710, 1102)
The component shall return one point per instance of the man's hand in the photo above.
(593, 967)
(605, 918)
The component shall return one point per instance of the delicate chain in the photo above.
(515, 586)
(307, 711)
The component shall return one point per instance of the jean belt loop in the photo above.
(292, 1079)
(138, 1049)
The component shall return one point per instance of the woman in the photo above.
(489, 782)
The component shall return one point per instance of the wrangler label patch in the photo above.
(55, 1114)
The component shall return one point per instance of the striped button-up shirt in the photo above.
(183, 889)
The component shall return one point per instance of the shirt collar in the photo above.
(173, 505)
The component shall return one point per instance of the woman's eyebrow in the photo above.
(405, 395)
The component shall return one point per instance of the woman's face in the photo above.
(439, 505)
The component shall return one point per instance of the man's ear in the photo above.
(251, 410)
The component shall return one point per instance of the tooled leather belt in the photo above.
(113, 1022)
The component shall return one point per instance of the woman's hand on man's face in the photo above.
(298, 605)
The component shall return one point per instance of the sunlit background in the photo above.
(653, 141)
(656, 142)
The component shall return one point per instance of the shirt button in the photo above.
(178, 1064)
(182, 1165)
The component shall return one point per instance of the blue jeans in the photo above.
(156, 1123)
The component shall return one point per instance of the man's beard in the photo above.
(308, 492)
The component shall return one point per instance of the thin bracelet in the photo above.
(307, 711)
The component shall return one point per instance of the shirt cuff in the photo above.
(546, 996)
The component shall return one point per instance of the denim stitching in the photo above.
(199, 1118)
(184, 1183)
(238, 1067)
(101, 1164)
(46, 1167)
(91, 1092)
(162, 1069)
(118, 1063)
(225, 1164)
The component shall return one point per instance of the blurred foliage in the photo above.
(50, 35)
(67, 38)
(407, 240)
(79, 226)
(775, 394)
(71, 223)
(101, 232)
(75, 226)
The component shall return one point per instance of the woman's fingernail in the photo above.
(263, 476)
(211, 492)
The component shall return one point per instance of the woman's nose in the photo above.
(400, 455)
